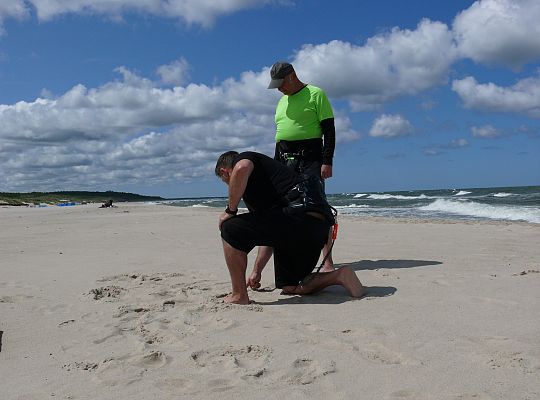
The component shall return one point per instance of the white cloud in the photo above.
(203, 12)
(499, 31)
(438, 149)
(12, 9)
(389, 65)
(126, 107)
(523, 97)
(486, 132)
(456, 144)
(390, 126)
(174, 73)
(432, 151)
(344, 130)
(132, 130)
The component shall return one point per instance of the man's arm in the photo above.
(329, 143)
(277, 155)
(237, 186)
(238, 182)
(263, 256)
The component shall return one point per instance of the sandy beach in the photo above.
(126, 303)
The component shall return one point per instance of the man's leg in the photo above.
(328, 265)
(313, 283)
(236, 263)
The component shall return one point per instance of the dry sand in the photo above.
(126, 303)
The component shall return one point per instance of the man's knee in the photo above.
(235, 236)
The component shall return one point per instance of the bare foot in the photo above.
(236, 299)
(350, 281)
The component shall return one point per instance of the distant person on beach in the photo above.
(297, 236)
(305, 134)
(107, 204)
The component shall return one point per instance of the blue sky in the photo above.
(142, 96)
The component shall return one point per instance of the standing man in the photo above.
(305, 134)
(297, 237)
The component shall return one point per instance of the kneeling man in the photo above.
(297, 234)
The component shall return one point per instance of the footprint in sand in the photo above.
(503, 352)
(107, 292)
(198, 319)
(305, 371)
(169, 288)
(157, 311)
(128, 369)
(245, 362)
(514, 360)
(377, 352)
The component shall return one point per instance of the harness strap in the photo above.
(296, 155)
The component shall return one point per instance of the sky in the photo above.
(143, 95)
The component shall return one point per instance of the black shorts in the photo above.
(297, 241)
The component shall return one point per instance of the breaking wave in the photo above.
(479, 210)
(395, 196)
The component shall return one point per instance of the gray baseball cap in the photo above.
(279, 71)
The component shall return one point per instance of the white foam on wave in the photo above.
(502, 194)
(473, 209)
(200, 206)
(395, 197)
(462, 193)
(357, 196)
(353, 206)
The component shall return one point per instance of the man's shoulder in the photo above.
(250, 155)
(246, 154)
(314, 89)
(317, 94)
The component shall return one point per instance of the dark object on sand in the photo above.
(107, 204)
(1, 333)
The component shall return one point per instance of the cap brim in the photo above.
(275, 83)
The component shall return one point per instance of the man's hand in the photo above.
(326, 171)
(224, 217)
(254, 280)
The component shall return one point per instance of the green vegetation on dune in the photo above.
(21, 199)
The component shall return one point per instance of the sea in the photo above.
(520, 203)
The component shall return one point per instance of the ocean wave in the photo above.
(200, 206)
(395, 197)
(473, 209)
(353, 206)
(357, 196)
(462, 193)
(502, 194)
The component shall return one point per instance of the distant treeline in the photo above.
(20, 199)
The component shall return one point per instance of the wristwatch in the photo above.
(231, 212)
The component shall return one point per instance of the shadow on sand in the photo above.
(378, 264)
(338, 295)
(332, 295)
